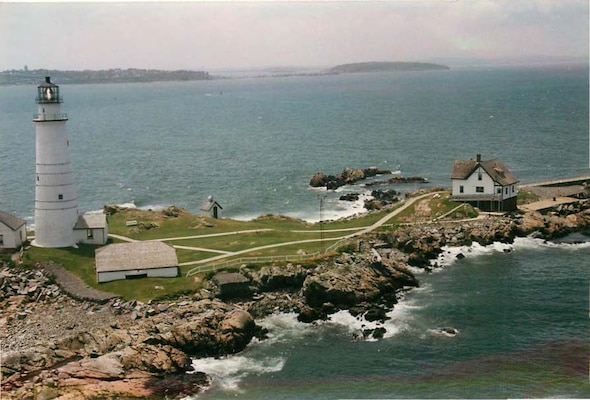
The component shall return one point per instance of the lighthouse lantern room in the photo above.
(56, 201)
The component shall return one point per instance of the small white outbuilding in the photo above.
(13, 231)
(135, 260)
(91, 229)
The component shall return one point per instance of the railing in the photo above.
(262, 259)
(476, 197)
(50, 117)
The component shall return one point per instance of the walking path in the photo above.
(74, 286)
(359, 232)
(548, 203)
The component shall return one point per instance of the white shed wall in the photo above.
(12, 239)
(165, 272)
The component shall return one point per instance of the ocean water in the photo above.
(254, 144)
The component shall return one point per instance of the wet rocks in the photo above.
(346, 177)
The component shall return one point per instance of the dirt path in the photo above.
(74, 286)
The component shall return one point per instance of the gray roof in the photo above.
(462, 169)
(91, 221)
(135, 255)
(11, 221)
(209, 203)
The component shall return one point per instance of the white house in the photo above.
(13, 231)
(212, 207)
(91, 229)
(135, 260)
(488, 185)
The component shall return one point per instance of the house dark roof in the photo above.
(11, 221)
(462, 169)
(209, 204)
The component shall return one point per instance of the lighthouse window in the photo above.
(60, 196)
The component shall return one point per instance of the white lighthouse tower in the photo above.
(56, 202)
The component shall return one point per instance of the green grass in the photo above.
(80, 261)
(526, 197)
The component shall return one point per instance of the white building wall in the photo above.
(470, 184)
(164, 272)
(56, 200)
(12, 239)
(99, 236)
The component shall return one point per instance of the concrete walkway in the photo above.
(548, 203)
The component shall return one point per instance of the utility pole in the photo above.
(321, 198)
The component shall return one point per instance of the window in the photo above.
(499, 191)
(479, 177)
(479, 189)
(89, 233)
(461, 189)
(60, 196)
(1, 240)
(506, 191)
(512, 188)
(37, 178)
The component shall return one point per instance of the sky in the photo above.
(214, 35)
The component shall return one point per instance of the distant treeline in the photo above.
(27, 77)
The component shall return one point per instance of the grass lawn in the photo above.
(80, 261)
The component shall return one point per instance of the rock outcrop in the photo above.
(346, 177)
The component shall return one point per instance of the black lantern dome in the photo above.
(48, 92)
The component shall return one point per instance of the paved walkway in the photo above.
(548, 203)
(74, 286)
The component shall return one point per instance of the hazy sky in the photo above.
(237, 34)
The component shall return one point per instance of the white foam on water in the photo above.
(226, 373)
(399, 320)
(449, 254)
(531, 243)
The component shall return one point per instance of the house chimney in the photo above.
(478, 158)
(47, 79)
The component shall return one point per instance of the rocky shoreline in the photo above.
(56, 347)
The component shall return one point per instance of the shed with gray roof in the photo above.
(91, 229)
(13, 231)
(136, 260)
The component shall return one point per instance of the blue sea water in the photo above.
(255, 143)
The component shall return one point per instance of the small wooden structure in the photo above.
(13, 231)
(91, 229)
(135, 260)
(212, 208)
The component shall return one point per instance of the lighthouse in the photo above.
(56, 201)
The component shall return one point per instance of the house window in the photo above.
(37, 178)
(1, 240)
(479, 189)
(499, 190)
(512, 189)
(479, 177)
(60, 196)
(506, 191)
(461, 189)
(89, 233)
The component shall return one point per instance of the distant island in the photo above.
(385, 66)
(117, 75)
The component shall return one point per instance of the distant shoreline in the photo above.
(137, 75)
